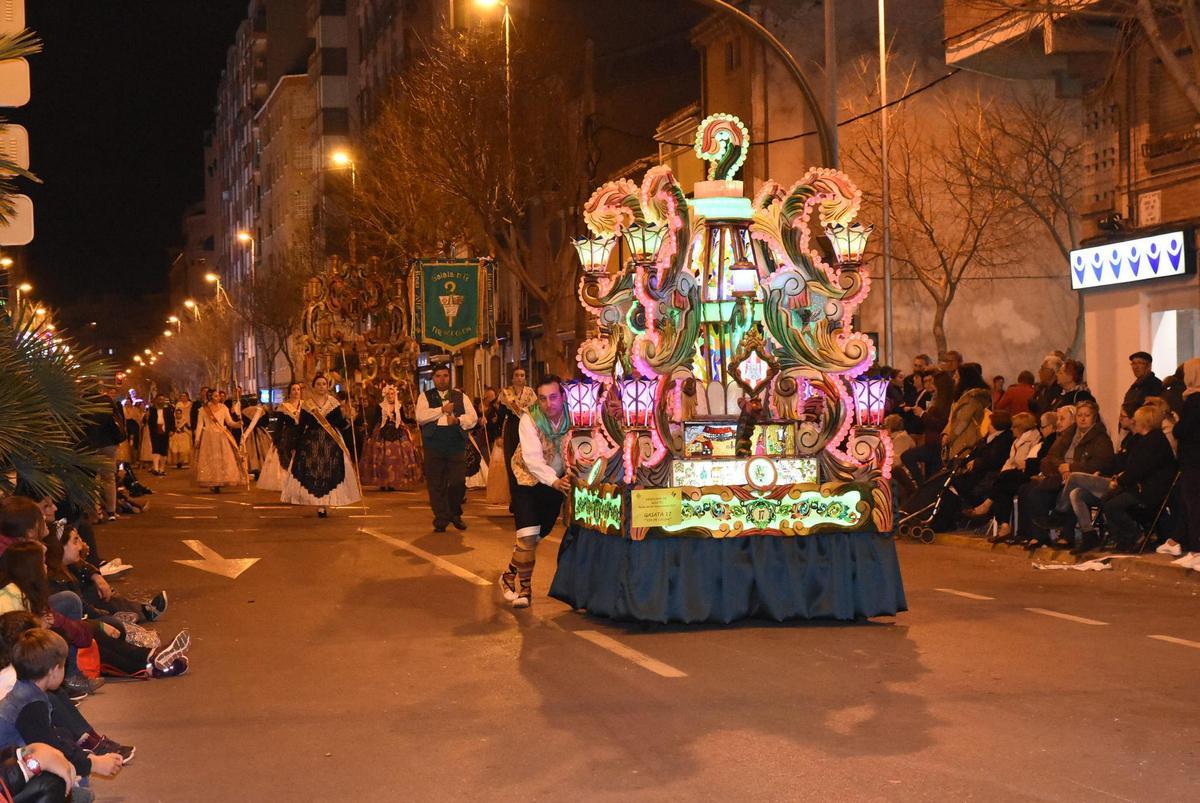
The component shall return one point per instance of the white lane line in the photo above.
(964, 594)
(1181, 641)
(369, 516)
(630, 654)
(436, 560)
(1070, 618)
(595, 637)
(194, 507)
(172, 493)
(195, 517)
(271, 507)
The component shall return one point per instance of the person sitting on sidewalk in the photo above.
(986, 459)
(39, 657)
(1085, 448)
(1013, 473)
(1186, 543)
(1145, 470)
(63, 711)
(1016, 397)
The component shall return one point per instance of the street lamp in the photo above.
(40, 311)
(213, 278)
(6, 262)
(246, 238)
(168, 333)
(178, 323)
(23, 287)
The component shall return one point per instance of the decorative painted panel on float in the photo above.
(1154, 257)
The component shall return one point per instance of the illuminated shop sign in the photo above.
(798, 511)
(1154, 257)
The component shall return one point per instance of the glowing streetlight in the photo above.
(147, 351)
(212, 278)
(341, 158)
(246, 238)
(173, 319)
(23, 287)
(40, 311)
(187, 302)
(6, 262)
(168, 333)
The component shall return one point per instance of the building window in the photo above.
(335, 122)
(733, 54)
(333, 61)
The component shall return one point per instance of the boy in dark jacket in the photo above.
(39, 657)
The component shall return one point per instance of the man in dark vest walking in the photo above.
(445, 416)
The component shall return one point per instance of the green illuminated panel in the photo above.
(797, 512)
(599, 509)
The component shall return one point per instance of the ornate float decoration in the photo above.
(725, 391)
(357, 322)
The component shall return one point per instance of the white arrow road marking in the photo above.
(210, 561)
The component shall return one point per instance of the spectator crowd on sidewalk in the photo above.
(1037, 462)
(64, 628)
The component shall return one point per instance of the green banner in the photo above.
(447, 302)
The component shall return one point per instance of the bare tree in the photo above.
(944, 227)
(442, 168)
(201, 351)
(271, 304)
(1171, 28)
(1026, 148)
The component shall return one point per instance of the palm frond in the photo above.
(19, 45)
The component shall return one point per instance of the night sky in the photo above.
(122, 95)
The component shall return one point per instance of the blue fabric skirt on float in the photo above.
(842, 576)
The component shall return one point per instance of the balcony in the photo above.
(1073, 48)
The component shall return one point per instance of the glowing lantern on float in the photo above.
(644, 240)
(594, 253)
(870, 398)
(637, 401)
(583, 402)
(849, 242)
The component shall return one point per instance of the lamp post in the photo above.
(23, 287)
(341, 159)
(245, 238)
(174, 319)
(190, 305)
(213, 278)
(885, 190)
(514, 300)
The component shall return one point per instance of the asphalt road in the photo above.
(365, 658)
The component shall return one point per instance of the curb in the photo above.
(1152, 566)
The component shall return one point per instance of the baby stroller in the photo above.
(934, 507)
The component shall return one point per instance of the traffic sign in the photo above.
(14, 82)
(14, 146)
(18, 229)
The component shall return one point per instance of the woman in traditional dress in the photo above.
(180, 445)
(256, 441)
(515, 401)
(284, 431)
(218, 462)
(492, 416)
(389, 457)
(321, 472)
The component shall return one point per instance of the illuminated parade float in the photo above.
(726, 442)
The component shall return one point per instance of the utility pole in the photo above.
(885, 191)
(831, 80)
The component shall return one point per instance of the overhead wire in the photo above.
(793, 137)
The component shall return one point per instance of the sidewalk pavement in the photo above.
(1149, 564)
